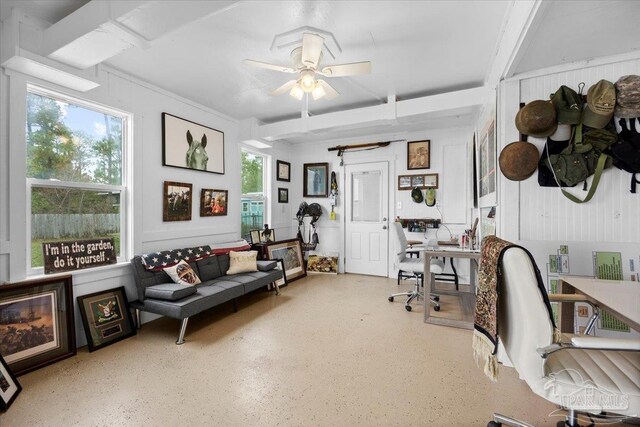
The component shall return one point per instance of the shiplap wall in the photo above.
(613, 215)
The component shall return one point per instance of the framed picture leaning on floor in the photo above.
(9, 386)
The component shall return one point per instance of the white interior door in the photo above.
(367, 219)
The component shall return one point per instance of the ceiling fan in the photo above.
(306, 60)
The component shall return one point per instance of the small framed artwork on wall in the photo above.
(404, 182)
(316, 176)
(283, 171)
(176, 201)
(431, 180)
(283, 195)
(213, 202)
(418, 154)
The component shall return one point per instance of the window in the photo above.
(75, 173)
(254, 191)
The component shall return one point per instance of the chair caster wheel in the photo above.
(494, 424)
(436, 307)
(407, 307)
(436, 299)
(390, 299)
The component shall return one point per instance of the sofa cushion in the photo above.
(145, 278)
(256, 280)
(169, 291)
(242, 262)
(206, 297)
(183, 274)
(267, 265)
(209, 268)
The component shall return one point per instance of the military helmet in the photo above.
(537, 118)
(518, 160)
(430, 200)
(416, 195)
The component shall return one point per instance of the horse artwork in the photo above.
(204, 150)
(197, 157)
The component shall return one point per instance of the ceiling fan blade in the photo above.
(330, 92)
(311, 49)
(284, 88)
(269, 66)
(353, 69)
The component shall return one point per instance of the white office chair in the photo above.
(585, 375)
(414, 266)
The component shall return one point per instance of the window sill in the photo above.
(89, 275)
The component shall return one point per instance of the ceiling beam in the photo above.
(390, 113)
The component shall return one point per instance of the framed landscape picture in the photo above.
(213, 202)
(418, 154)
(36, 323)
(106, 317)
(283, 171)
(316, 176)
(189, 145)
(290, 252)
(176, 201)
(404, 182)
(9, 386)
(283, 195)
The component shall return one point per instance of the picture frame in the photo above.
(267, 235)
(176, 201)
(290, 251)
(487, 195)
(283, 171)
(316, 177)
(431, 180)
(419, 154)
(280, 266)
(214, 202)
(44, 309)
(283, 195)
(404, 182)
(417, 181)
(190, 145)
(255, 236)
(10, 388)
(106, 317)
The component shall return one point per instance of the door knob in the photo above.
(384, 227)
(384, 219)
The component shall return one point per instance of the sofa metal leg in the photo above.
(235, 305)
(138, 324)
(183, 329)
(504, 420)
(276, 287)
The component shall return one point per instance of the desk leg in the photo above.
(473, 272)
(428, 284)
(567, 310)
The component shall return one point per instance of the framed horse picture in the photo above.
(189, 145)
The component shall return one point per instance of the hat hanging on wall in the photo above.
(416, 195)
(601, 102)
(519, 160)
(537, 118)
(628, 97)
(430, 198)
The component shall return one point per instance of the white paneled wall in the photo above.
(613, 215)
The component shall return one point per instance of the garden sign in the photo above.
(77, 254)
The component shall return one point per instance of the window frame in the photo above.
(266, 183)
(123, 188)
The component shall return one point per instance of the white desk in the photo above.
(451, 252)
(621, 298)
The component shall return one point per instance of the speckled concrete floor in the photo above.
(329, 351)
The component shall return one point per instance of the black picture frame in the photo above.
(294, 265)
(419, 154)
(214, 202)
(176, 201)
(316, 180)
(106, 317)
(283, 171)
(44, 307)
(10, 388)
(255, 236)
(185, 144)
(280, 266)
(283, 195)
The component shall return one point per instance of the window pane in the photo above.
(72, 143)
(59, 214)
(252, 173)
(365, 195)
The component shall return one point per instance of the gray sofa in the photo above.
(157, 293)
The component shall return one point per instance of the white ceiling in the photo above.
(417, 48)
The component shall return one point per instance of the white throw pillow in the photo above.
(242, 262)
(183, 274)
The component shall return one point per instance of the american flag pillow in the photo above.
(160, 260)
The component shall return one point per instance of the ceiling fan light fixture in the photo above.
(318, 92)
(307, 81)
(297, 92)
